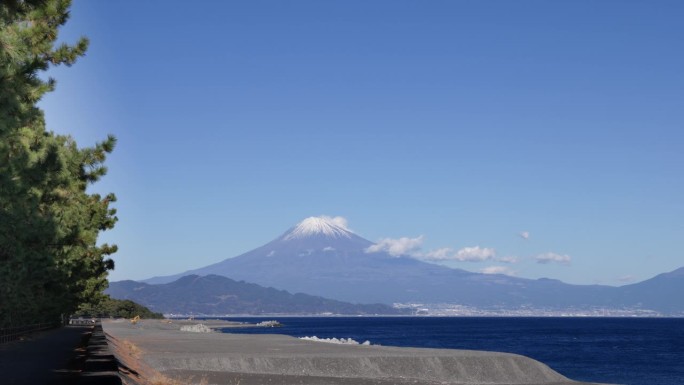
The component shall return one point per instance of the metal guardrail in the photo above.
(82, 321)
(15, 333)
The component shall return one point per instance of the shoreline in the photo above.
(158, 349)
(195, 317)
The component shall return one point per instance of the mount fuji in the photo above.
(321, 256)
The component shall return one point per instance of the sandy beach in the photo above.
(156, 351)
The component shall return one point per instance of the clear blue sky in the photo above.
(466, 122)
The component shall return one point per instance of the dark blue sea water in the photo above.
(630, 351)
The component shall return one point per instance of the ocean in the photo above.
(629, 351)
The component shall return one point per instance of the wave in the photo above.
(343, 341)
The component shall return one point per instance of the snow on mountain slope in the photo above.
(323, 225)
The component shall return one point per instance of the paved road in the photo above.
(42, 358)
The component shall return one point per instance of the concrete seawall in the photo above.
(157, 349)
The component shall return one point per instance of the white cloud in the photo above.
(271, 253)
(508, 259)
(466, 254)
(553, 257)
(339, 221)
(328, 248)
(443, 254)
(498, 270)
(397, 247)
(524, 234)
(474, 254)
(412, 247)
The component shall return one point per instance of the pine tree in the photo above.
(49, 258)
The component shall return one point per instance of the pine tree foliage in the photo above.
(115, 308)
(50, 261)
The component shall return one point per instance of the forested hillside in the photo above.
(116, 308)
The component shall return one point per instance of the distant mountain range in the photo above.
(663, 293)
(321, 257)
(213, 294)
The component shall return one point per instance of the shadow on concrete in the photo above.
(66, 355)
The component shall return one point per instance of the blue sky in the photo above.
(464, 122)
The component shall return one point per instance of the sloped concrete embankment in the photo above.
(438, 368)
(216, 358)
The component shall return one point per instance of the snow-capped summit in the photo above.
(330, 227)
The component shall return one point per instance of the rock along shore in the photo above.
(156, 351)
